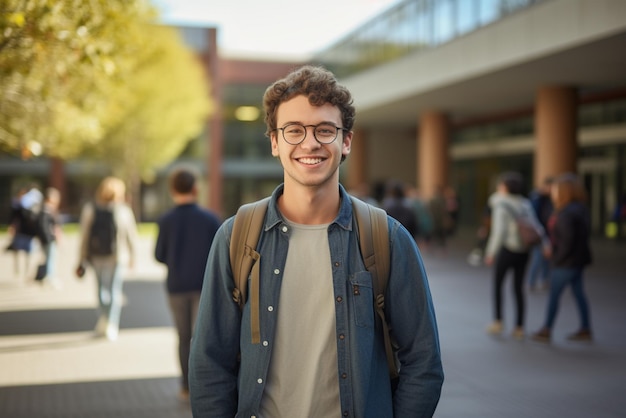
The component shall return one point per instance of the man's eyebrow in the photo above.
(328, 122)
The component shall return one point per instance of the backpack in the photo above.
(30, 220)
(103, 232)
(528, 231)
(373, 239)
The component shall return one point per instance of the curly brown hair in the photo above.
(316, 83)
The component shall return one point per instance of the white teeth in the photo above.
(310, 160)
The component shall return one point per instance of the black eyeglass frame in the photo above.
(337, 128)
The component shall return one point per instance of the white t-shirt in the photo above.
(302, 379)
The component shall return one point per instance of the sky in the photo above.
(280, 29)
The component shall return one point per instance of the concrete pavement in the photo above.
(51, 366)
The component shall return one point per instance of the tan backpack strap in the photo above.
(244, 259)
(373, 233)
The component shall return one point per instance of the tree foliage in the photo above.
(97, 78)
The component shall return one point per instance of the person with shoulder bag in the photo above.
(506, 249)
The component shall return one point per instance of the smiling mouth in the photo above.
(310, 161)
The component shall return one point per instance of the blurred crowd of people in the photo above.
(34, 229)
(558, 212)
(431, 221)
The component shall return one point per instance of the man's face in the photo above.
(309, 163)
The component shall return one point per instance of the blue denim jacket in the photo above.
(227, 372)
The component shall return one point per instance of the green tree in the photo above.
(95, 78)
(57, 60)
(158, 109)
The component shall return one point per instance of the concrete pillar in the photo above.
(357, 160)
(432, 152)
(556, 144)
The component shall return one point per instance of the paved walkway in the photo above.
(51, 366)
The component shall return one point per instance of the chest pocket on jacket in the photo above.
(362, 299)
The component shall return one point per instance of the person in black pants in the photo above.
(185, 236)
(505, 249)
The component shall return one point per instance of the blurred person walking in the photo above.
(423, 216)
(50, 235)
(539, 270)
(184, 239)
(505, 249)
(24, 228)
(397, 206)
(453, 208)
(442, 221)
(108, 243)
(569, 229)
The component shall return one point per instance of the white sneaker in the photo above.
(112, 332)
(495, 328)
(101, 326)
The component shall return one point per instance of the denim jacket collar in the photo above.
(343, 219)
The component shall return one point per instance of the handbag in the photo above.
(41, 272)
(528, 232)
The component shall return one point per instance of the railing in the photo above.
(411, 26)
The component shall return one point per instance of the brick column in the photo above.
(432, 152)
(215, 128)
(556, 144)
(357, 160)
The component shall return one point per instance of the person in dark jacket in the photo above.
(569, 232)
(49, 234)
(539, 270)
(397, 206)
(185, 236)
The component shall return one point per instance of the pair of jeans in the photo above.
(505, 261)
(539, 269)
(184, 308)
(560, 278)
(109, 277)
(50, 252)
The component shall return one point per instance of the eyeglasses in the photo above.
(324, 133)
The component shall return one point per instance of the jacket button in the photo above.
(339, 299)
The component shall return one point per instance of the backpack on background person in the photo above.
(103, 232)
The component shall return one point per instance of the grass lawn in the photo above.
(144, 228)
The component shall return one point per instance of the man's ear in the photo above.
(274, 144)
(347, 143)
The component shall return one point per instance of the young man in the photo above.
(319, 352)
(185, 236)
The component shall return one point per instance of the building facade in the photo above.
(466, 89)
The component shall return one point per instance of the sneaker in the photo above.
(518, 333)
(112, 332)
(582, 335)
(495, 328)
(543, 335)
(101, 326)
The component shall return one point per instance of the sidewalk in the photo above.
(50, 366)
